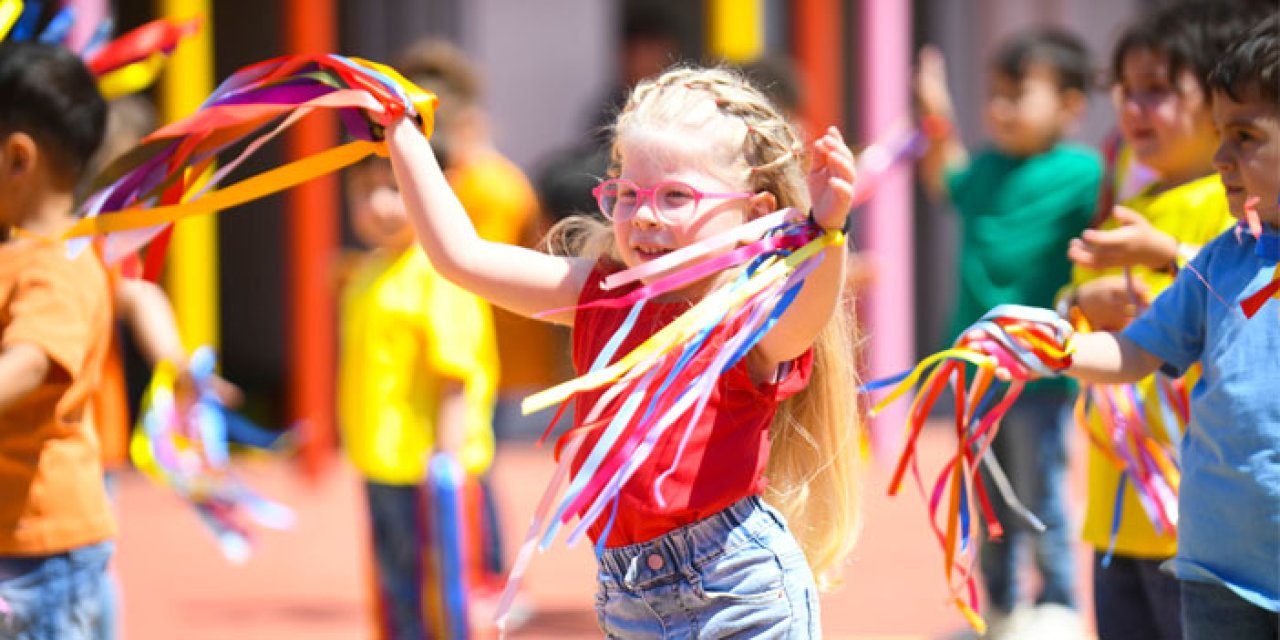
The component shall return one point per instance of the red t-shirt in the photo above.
(725, 457)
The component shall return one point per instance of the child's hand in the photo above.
(1134, 243)
(932, 95)
(831, 179)
(1108, 303)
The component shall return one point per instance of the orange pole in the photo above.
(819, 52)
(312, 226)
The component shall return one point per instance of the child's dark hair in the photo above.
(1192, 35)
(1252, 63)
(1058, 50)
(47, 93)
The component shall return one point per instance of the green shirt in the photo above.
(1016, 217)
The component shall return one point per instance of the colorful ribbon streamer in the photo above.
(153, 185)
(10, 11)
(1006, 347)
(665, 382)
(181, 443)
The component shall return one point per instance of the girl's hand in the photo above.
(1133, 243)
(831, 177)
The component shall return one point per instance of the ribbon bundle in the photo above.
(126, 65)
(1123, 433)
(448, 534)
(665, 383)
(182, 443)
(1007, 346)
(159, 181)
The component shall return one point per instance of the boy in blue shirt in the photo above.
(1020, 201)
(1228, 558)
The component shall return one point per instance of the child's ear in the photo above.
(763, 204)
(18, 154)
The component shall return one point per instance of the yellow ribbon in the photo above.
(972, 357)
(162, 383)
(258, 186)
(131, 78)
(9, 12)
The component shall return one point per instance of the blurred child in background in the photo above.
(1229, 502)
(1160, 68)
(56, 526)
(417, 374)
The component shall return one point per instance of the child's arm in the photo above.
(934, 100)
(451, 417)
(145, 307)
(1110, 358)
(23, 367)
(519, 279)
(831, 187)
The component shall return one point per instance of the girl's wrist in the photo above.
(843, 228)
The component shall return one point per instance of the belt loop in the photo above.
(629, 580)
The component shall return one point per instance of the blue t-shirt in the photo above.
(1229, 529)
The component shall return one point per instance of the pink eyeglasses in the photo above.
(672, 201)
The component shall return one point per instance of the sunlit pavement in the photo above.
(311, 582)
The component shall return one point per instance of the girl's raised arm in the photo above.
(831, 185)
(515, 278)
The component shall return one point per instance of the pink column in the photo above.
(884, 56)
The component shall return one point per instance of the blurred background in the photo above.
(260, 283)
(550, 69)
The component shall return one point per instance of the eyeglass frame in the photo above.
(651, 192)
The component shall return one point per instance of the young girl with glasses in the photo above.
(696, 152)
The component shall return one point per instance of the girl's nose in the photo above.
(646, 216)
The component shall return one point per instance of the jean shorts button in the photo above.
(655, 561)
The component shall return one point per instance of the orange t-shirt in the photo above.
(111, 399)
(51, 493)
(111, 408)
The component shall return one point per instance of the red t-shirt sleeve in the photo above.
(794, 378)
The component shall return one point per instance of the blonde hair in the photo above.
(813, 471)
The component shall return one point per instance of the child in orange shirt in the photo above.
(55, 313)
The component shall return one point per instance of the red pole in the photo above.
(312, 235)
(819, 52)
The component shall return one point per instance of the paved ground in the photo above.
(311, 582)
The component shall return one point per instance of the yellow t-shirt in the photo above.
(404, 328)
(1194, 213)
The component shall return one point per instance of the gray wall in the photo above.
(547, 64)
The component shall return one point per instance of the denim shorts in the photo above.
(53, 597)
(739, 573)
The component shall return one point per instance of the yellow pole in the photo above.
(192, 275)
(737, 29)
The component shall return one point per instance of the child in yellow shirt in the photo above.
(1160, 65)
